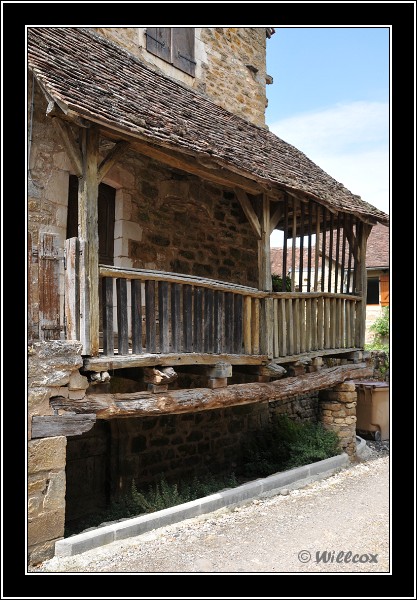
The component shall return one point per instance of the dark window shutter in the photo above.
(158, 42)
(183, 49)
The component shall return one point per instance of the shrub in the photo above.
(277, 283)
(287, 444)
(380, 329)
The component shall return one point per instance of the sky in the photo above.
(330, 98)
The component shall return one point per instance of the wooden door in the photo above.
(106, 208)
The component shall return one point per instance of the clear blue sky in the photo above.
(330, 98)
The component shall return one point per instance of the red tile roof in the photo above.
(377, 252)
(106, 84)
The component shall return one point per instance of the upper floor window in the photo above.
(175, 45)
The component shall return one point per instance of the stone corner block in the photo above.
(77, 381)
(47, 453)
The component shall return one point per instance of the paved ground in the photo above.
(339, 524)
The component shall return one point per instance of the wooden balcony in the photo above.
(154, 317)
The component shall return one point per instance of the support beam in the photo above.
(264, 247)
(249, 211)
(108, 406)
(364, 230)
(276, 218)
(51, 426)
(71, 146)
(112, 157)
(88, 234)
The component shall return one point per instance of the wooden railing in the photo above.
(158, 312)
(304, 322)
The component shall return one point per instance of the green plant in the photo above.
(286, 444)
(380, 344)
(277, 283)
(380, 327)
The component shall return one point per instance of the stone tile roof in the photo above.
(104, 83)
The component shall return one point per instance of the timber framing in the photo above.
(143, 404)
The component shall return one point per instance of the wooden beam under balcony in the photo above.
(109, 363)
(144, 404)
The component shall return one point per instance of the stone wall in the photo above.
(46, 496)
(53, 369)
(183, 445)
(230, 69)
(301, 408)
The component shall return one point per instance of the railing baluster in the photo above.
(198, 319)
(256, 322)
(150, 316)
(297, 325)
(348, 330)
(136, 298)
(327, 322)
(320, 324)
(276, 328)
(188, 318)
(176, 317)
(163, 297)
(247, 322)
(282, 327)
(290, 325)
(122, 323)
(314, 324)
(342, 325)
(228, 322)
(302, 325)
(238, 323)
(107, 304)
(218, 322)
(333, 309)
(208, 321)
(308, 325)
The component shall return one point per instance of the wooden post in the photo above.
(363, 233)
(88, 234)
(265, 281)
(72, 289)
(247, 324)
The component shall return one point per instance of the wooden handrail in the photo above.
(144, 274)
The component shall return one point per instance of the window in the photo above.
(373, 291)
(174, 45)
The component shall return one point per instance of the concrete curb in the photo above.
(267, 486)
(362, 450)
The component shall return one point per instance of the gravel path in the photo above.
(347, 512)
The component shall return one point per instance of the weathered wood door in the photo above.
(106, 208)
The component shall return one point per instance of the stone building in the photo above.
(155, 340)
